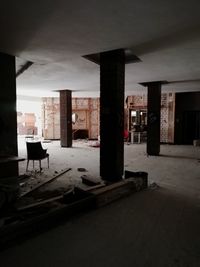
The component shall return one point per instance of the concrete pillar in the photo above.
(8, 115)
(66, 118)
(112, 72)
(153, 119)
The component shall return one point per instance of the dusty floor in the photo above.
(177, 167)
(155, 228)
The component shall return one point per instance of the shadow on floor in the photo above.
(152, 228)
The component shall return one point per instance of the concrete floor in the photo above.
(158, 227)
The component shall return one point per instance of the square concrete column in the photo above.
(153, 117)
(66, 118)
(8, 115)
(112, 72)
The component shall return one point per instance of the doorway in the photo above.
(191, 126)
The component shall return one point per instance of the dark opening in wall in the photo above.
(80, 134)
(187, 118)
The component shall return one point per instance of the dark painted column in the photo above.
(66, 118)
(153, 119)
(112, 72)
(8, 115)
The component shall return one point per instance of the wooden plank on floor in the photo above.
(110, 193)
(45, 182)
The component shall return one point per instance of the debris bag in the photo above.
(142, 175)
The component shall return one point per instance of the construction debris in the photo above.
(39, 184)
(90, 181)
(81, 170)
(196, 142)
(141, 178)
(153, 186)
(45, 201)
(39, 207)
(115, 191)
(95, 144)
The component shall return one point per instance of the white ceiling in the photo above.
(55, 35)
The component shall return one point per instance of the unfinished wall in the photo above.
(87, 110)
(139, 101)
(167, 113)
(26, 124)
(51, 118)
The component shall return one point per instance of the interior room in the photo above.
(100, 133)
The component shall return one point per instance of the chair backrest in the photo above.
(35, 150)
(30, 131)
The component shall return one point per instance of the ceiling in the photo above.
(55, 35)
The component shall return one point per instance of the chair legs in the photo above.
(39, 164)
(27, 164)
(48, 161)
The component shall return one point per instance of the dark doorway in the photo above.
(191, 126)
